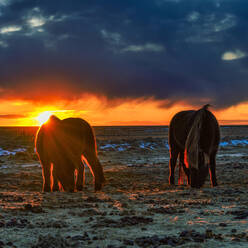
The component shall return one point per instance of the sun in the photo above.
(43, 117)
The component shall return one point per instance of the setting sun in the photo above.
(43, 117)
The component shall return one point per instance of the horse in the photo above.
(194, 137)
(62, 147)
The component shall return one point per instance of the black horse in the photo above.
(194, 136)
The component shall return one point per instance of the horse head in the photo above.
(196, 159)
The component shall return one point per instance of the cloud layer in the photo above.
(192, 51)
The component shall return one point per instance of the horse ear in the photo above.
(52, 123)
(54, 120)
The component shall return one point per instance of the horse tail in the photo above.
(92, 158)
(193, 138)
(205, 107)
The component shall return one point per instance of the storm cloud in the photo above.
(173, 50)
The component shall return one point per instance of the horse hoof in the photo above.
(46, 189)
(98, 187)
(80, 188)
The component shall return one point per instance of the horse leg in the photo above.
(96, 169)
(212, 169)
(71, 180)
(46, 173)
(80, 177)
(172, 165)
(68, 183)
(183, 170)
(55, 181)
(65, 174)
(181, 173)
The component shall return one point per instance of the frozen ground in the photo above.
(136, 208)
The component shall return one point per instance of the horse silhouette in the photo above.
(62, 147)
(194, 136)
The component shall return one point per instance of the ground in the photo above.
(136, 208)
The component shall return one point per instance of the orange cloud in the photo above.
(100, 111)
(234, 115)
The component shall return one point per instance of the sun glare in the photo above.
(43, 117)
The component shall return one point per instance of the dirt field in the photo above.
(136, 208)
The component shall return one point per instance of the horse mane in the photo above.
(193, 138)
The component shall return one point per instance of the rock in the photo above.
(148, 241)
(19, 223)
(235, 239)
(93, 199)
(128, 242)
(28, 206)
(134, 220)
(240, 214)
(223, 224)
(124, 221)
(241, 235)
(37, 210)
(172, 242)
(33, 209)
(218, 236)
(199, 238)
(209, 234)
(52, 223)
(77, 237)
(49, 241)
(81, 237)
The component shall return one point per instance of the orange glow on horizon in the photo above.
(101, 112)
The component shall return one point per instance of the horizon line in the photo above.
(163, 125)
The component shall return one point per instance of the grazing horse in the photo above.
(62, 146)
(194, 136)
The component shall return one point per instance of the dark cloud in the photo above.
(166, 49)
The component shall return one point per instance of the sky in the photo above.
(123, 62)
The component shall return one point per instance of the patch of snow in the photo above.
(6, 153)
(234, 142)
(118, 147)
(231, 155)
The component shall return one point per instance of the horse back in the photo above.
(80, 132)
(76, 127)
(180, 127)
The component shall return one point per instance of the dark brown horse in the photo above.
(62, 146)
(194, 136)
